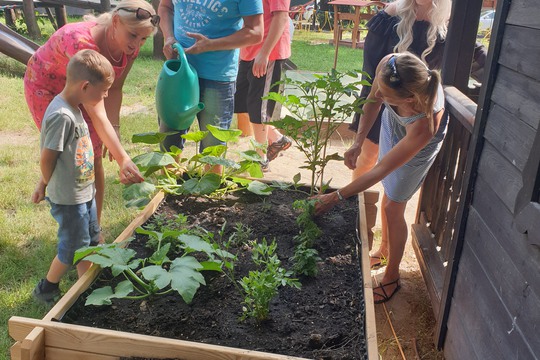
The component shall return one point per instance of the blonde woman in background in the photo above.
(117, 35)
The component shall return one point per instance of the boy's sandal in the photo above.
(385, 297)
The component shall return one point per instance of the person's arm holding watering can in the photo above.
(251, 33)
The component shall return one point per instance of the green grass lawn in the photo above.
(27, 231)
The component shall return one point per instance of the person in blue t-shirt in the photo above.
(211, 32)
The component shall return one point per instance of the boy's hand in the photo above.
(39, 192)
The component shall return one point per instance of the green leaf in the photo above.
(185, 277)
(160, 256)
(101, 296)
(138, 195)
(151, 137)
(214, 160)
(211, 266)
(203, 186)
(153, 159)
(259, 188)
(216, 150)
(196, 136)
(195, 243)
(225, 135)
(158, 275)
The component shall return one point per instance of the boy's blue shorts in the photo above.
(77, 227)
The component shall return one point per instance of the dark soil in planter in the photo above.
(322, 320)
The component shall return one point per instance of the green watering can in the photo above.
(177, 92)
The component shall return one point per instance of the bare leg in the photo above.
(397, 238)
(83, 267)
(260, 133)
(382, 252)
(57, 270)
(244, 124)
(367, 159)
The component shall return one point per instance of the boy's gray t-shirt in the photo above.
(64, 129)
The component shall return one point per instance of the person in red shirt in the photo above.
(261, 66)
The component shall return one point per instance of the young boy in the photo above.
(67, 166)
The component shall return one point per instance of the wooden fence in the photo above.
(433, 232)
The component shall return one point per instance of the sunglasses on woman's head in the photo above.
(143, 14)
(395, 80)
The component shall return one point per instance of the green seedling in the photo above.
(262, 285)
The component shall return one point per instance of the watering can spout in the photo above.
(189, 114)
(177, 92)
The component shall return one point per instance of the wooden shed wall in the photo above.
(494, 312)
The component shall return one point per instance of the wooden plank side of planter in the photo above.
(63, 354)
(116, 343)
(33, 346)
(370, 327)
(67, 341)
(88, 278)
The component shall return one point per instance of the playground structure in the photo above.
(60, 19)
(16, 46)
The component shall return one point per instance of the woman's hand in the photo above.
(325, 202)
(352, 155)
(129, 173)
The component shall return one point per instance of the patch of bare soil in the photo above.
(322, 320)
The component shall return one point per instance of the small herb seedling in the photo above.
(262, 285)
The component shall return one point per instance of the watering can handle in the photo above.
(181, 53)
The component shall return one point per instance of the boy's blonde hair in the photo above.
(414, 79)
(89, 65)
(129, 19)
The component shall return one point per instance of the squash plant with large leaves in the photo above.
(174, 174)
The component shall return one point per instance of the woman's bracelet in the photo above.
(340, 197)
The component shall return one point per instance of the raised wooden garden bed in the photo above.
(50, 339)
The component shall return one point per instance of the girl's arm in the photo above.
(370, 111)
(417, 137)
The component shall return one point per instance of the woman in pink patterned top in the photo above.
(118, 35)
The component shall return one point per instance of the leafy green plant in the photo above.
(241, 235)
(305, 258)
(309, 230)
(174, 174)
(262, 285)
(156, 275)
(318, 108)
